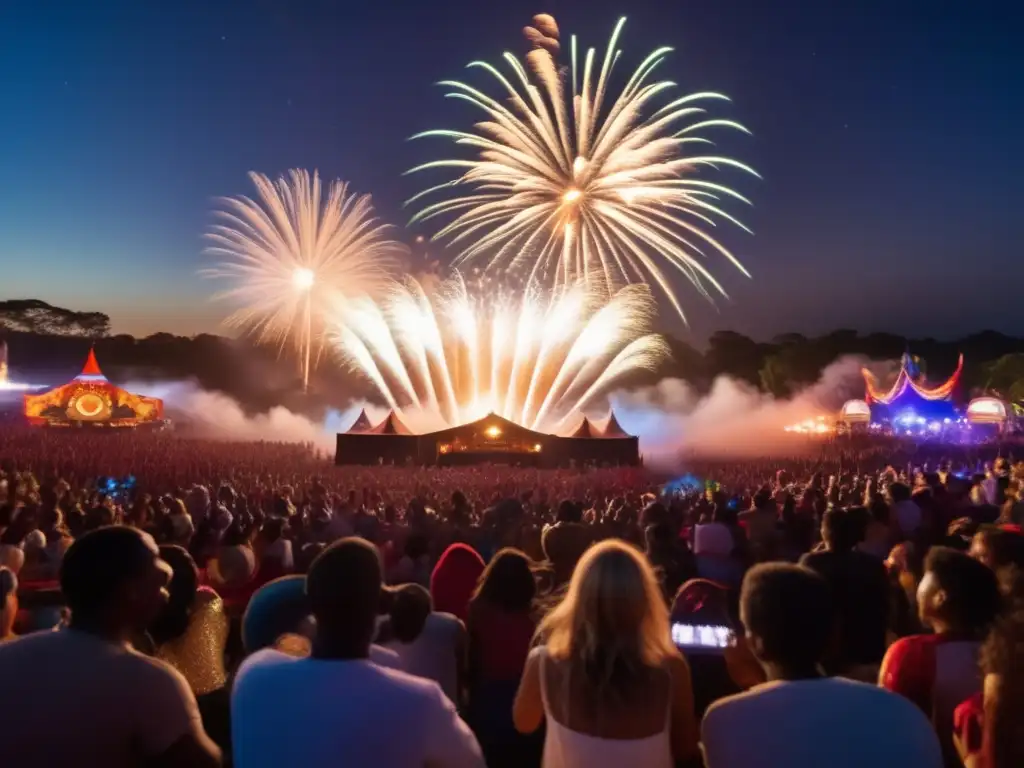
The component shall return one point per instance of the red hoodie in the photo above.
(454, 579)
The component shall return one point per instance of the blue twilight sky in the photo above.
(887, 132)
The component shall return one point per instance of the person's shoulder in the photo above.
(14, 651)
(912, 645)
(917, 647)
(405, 687)
(722, 714)
(117, 665)
(150, 665)
(538, 651)
(447, 621)
(766, 697)
(816, 559)
(750, 697)
(884, 705)
(676, 665)
(206, 598)
(263, 662)
(538, 657)
(64, 645)
(844, 686)
(876, 701)
(31, 640)
(678, 669)
(156, 675)
(385, 655)
(909, 666)
(568, 528)
(399, 679)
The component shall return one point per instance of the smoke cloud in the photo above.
(214, 415)
(733, 419)
(673, 421)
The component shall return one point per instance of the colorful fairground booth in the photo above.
(993, 414)
(855, 412)
(91, 401)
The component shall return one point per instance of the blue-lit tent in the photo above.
(909, 401)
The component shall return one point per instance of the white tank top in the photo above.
(565, 748)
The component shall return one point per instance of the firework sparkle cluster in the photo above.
(593, 193)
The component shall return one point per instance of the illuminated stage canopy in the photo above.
(909, 397)
(90, 400)
(492, 439)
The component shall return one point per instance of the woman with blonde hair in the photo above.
(606, 677)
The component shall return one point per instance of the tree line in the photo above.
(54, 341)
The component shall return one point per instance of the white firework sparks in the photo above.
(533, 359)
(590, 187)
(292, 253)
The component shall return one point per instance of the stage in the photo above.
(490, 440)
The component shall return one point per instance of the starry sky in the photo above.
(887, 133)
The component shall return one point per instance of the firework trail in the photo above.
(573, 182)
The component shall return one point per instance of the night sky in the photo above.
(887, 132)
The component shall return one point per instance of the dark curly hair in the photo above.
(174, 618)
(1004, 647)
(1001, 656)
(973, 602)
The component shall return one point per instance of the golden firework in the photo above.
(457, 354)
(294, 252)
(574, 183)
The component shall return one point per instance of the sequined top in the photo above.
(199, 653)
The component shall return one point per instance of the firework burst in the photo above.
(571, 183)
(293, 253)
(533, 358)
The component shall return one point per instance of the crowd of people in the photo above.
(188, 602)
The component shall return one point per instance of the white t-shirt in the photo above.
(70, 698)
(432, 654)
(311, 712)
(811, 723)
